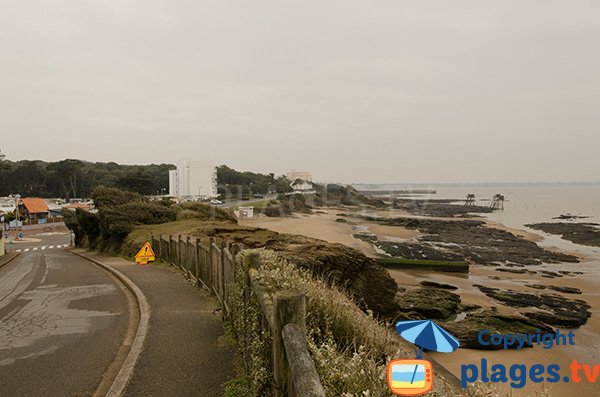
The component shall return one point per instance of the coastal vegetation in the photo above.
(349, 347)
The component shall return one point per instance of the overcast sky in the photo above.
(354, 91)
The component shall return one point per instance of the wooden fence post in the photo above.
(197, 261)
(179, 250)
(187, 257)
(290, 308)
(152, 245)
(214, 281)
(303, 379)
(172, 251)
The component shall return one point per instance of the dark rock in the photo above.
(433, 284)
(549, 274)
(575, 312)
(468, 307)
(417, 251)
(517, 271)
(429, 302)
(566, 290)
(440, 208)
(468, 329)
(569, 217)
(369, 283)
(558, 320)
(579, 233)
(536, 286)
(469, 240)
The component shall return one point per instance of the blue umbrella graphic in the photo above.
(427, 335)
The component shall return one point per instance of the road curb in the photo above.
(9, 260)
(126, 371)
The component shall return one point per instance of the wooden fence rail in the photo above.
(211, 264)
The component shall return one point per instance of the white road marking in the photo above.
(43, 248)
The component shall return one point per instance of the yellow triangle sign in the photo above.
(145, 254)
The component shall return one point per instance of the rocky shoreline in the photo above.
(474, 241)
(439, 208)
(578, 233)
(465, 240)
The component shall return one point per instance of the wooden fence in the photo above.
(211, 264)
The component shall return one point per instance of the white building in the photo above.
(2, 155)
(301, 185)
(193, 179)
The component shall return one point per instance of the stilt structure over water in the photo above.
(470, 201)
(497, 202)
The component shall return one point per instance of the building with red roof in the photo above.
(34, 208)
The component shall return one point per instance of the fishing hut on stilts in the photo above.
(470, 201)
(497, 202)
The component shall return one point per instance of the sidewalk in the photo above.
(182, 355)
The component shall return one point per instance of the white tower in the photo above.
(2, 155)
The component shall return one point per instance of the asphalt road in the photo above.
(62, 321)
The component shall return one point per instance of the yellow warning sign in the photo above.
(145, 255)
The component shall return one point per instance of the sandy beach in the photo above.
(324, 226)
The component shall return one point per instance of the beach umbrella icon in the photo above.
(426, 334)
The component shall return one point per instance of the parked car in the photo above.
(216, 202)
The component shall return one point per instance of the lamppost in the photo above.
(17, 198)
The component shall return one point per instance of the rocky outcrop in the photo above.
(433, 284)
(467, 330)
(566, 290)
(439, 208)
(468, 239)
(429, 303)
(369, 283)
(551, 309)
(579, 233)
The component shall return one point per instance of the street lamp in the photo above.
(17, 198)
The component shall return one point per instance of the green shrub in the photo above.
(89, 223)
(204, 212)
(118, 221)
(106, 197)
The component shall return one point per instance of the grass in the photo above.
(445, 266)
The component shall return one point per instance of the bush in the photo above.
(118, 221)
(204, 212)
(105, 197)
(89, 223)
